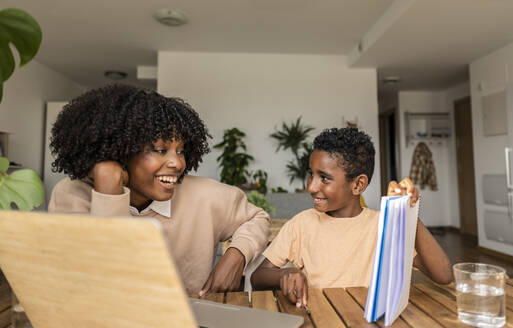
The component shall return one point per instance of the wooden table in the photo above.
(430, 305)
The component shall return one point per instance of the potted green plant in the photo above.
(23, 187)
(258, 181)
(294, 137)
(258, 199)
(298, 168)
(233, 160)
(23, 31)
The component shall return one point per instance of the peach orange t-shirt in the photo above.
(332, 252)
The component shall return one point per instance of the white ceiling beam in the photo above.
(389, 17)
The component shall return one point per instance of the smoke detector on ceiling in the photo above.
(391, 80)
(170, 17)
(115, 75)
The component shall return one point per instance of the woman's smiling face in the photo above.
(153, 173)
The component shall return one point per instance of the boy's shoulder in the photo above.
(369, 212)
(307, 216)
(312, 216)
(306, 213)
(312, 212)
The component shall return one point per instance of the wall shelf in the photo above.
(427, 126)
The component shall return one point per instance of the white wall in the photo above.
(22, 110)
(256, 92)
(438, 208)
(488, 75)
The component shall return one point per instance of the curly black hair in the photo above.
(352, 148)
(115, 122)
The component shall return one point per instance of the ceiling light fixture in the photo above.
(170, 17)
(391, 80)
(115, 75)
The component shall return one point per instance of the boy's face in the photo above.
(154, 172)
(330, 190)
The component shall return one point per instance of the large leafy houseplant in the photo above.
(23, 187)
(294, 137)
(297, 168)
(234, 160)
(23, 31)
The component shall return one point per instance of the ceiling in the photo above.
(431, 44)
(428, 43)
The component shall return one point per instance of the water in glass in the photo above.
(481, 305)
(480, 295)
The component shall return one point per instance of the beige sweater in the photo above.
(204, 212)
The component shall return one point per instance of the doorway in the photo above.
(389, 150)
(465, 166)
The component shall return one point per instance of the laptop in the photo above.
(85, 271)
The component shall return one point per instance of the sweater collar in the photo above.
(163, 208)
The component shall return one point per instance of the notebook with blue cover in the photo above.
(389, 287)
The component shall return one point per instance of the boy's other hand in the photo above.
(227, 273)
(294, 286)
(109, 177)
(405, 187)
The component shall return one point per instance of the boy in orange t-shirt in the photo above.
(332, 244)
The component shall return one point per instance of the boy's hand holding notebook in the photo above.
(389, 288)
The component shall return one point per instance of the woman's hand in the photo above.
(227, 274)
(109, 177)
(294, 286)
(405, 187)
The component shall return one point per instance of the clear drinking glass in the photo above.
(480, 294)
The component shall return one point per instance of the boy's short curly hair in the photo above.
(115, 122)
(352, 148)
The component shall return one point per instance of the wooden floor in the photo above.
(464, 248)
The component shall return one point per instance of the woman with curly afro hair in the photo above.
(127, 151)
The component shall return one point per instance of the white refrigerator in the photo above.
(494, 167)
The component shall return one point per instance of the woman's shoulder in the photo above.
(198, 185)
(72, 186)
(76, 188)
(70, 196)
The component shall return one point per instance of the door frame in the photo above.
(462, 166)
(384, 150)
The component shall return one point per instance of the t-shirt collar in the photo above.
(161, 207)
(362, 214)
